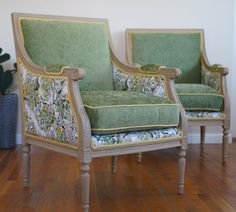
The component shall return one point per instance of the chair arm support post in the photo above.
(183, 123)
(226, 103)
(85, 152)
(223, 72)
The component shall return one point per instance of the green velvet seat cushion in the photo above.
(199, 97)
(118, 111)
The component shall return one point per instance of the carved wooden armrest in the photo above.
(215, 68)
(62, 70)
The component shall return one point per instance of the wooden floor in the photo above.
(148, 186)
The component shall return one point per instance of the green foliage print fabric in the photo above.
(204, 115)
(153, 85)
(212, 79)
(128, 138)
(47, 110)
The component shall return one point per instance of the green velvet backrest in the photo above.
(176, 50)
(71, 43)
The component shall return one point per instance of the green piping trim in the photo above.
(115, 106)
(200, 94)
(132, 127)
(205, 118)
(197, 109)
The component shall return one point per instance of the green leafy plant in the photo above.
(6, 76)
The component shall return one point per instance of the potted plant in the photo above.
(8, 105)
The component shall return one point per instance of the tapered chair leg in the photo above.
(181, 170)
(26, 164)
(139, 158)
(85, 186)
(113, 164)
(202, 132)
(225, 144)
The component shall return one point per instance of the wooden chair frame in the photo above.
(202, 122)
(85, 153)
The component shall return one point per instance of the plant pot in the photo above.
(8, 119)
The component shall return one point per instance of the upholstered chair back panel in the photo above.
(180, 50)
(71, 43)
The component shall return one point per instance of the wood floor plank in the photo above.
(149, 186)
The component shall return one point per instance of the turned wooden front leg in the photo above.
(181, 170)
(85, 186)
(225, 144)
(26, 164)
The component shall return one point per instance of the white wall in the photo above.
(215, 16)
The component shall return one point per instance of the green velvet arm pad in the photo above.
(214, 67)
(150, 68)
(54, 67)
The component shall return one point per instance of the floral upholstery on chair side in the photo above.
(212, 79)
(128, 138)
(154, 85)
(204, 115)
(48, 113)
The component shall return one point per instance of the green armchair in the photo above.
(201, 88)
(79, 99)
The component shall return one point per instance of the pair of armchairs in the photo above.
(201, 88)
(79, 99)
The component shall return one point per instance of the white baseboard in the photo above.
(192, 138)
(18, 139)
(209, 138)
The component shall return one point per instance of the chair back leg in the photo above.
(113, 164)
(139, 157)
(202, 132)
(26, 164)
(225, 144)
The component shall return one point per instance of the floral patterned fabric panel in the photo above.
(47, 109)
(134, 137)
(211, 79)
(144, 84)
(204, 115)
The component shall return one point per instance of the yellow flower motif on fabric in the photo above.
(24, 92)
